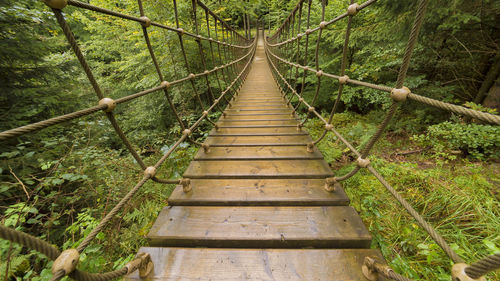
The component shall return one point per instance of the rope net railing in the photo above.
(228, 50)
(293, 42)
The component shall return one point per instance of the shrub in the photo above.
(476, 141)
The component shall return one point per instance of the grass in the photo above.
(459, 198)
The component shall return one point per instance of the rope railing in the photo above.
(231, 59)
(284, 50)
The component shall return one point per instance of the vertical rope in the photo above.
(412, 41)
(183, 51)
(157, 66)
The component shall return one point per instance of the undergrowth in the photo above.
(458, 197)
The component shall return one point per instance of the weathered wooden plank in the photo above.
(260, 192)
(248, 126)
(257, 99)
(253, 122)
(257, 105)
(258, 140)
(259, 227)
(255, 264)
(279, 169)
(272, 116)
(294, 131)
(256, 114)
(260, 110)
(258, 153)
(268, 103)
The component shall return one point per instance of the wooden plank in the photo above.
(258, 140)
(260, 110)
(258, 153)
(253, 126)
(271, 99)
(258, 131)
(257, 116)
(279, 102)
(260, 114)
(279, 169)
(202, 264)
(258, 105)
(259, 227)
(260, 192)
(253, 122)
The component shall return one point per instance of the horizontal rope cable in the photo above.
(483, 266)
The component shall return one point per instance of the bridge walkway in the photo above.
(257, 208)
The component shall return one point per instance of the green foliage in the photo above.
(35, 67)
(459, 200)
(477, 141)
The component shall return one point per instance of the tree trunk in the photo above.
(490, 78)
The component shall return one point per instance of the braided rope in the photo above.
(483, 266)
(29, 241)
(52, 253)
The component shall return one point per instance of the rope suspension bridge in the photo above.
(258, 202)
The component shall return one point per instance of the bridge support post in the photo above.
(186, 185)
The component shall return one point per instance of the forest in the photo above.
(59, 182)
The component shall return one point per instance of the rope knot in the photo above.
(310, 109)
(191, 76)
(310, 147)
(400, 95)
(352, 10)
(186, 132)
(330, 184)
(309, 31)
(362, 163)
(322, 24)
(186, 185)
(319, 73)
(205, 113)
(150, 171)
(343, 79)
(165, 84)
(206, 147)
(145, 21)
(110, 104)
(368, 269)
(143, 262)
(180, 31)
(66, 261)
(328, 127)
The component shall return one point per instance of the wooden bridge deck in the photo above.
(258, 209)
